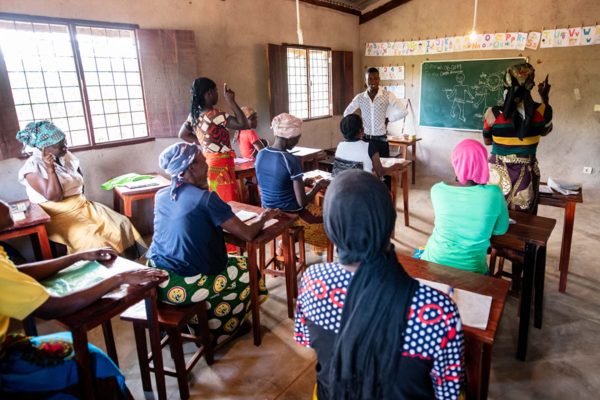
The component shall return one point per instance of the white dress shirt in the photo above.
(384, 105)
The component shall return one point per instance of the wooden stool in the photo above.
(517, 260)
(275, 265)
(171, 319)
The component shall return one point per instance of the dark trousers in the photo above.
(383, 148)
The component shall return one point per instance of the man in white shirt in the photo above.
(377, 106)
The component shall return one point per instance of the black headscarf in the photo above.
(518, 82)
(359, 218)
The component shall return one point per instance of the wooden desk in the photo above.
(396, 176)
(33, 224)
(309, 157)
(100, 313)
(127, 197)
(569, 203)
(243, 171)
(478, 342)
(529, 236)
(281, 228)
(404, 143)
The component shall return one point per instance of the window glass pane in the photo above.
(33, 53)
(297, 88)
(319, 83)
(111, 71)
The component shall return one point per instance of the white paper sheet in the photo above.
(244, 215)
(474, 308)
(389, 161)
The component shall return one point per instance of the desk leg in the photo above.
(486, 367)
(565, 248)
(152, 318)
(474, 365)
(44, 242)
(84, 362)
(127, 207)
(413, 167)
(109, 340)
(116, 201)
(525, 306)
(251, 249)
(290, 271)
(540, 272)
(405, 195)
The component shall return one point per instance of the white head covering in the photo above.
(286, 126)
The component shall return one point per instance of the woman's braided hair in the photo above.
(199, 87)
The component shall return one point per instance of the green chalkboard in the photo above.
(455, 94)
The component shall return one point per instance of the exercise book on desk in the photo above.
(82, 275)
(317, 174)
(474, 308)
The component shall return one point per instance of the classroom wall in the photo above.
(575, 140)
(231, 39)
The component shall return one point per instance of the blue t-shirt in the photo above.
(188, 239)
(276, 170)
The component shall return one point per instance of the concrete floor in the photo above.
(562, 359)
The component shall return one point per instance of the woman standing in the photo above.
(53, 180)
(514, 130)
(207, 126)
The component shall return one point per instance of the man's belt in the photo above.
(380, 138)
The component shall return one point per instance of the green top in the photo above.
(465, 219)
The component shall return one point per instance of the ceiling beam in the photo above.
(333, 6)
(380, 10)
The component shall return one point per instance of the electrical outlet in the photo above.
(587, 170)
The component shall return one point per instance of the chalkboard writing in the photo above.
(455, 94)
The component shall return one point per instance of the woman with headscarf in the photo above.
(53, 179)
(514, 131)
(248, 140)
(189, 243)
(44, 367)
(378, 333)
(467, 212)
(207, 126)
(281, 182)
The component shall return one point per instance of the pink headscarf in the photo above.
(470, 162)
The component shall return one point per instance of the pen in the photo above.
(451, 292)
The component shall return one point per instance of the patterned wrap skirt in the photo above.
(311, 218)
(227, 295)
(519, 179)
(221, 175)
(44, 367)
(81, 224)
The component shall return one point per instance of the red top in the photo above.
(246, 138)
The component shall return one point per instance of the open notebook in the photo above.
(248, 217)
(474, 308)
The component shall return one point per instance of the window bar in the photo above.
(82, 86)
(308, 83)
(137, 52)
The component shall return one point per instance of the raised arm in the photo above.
(239, 121)
(248, 232)
(49, 188)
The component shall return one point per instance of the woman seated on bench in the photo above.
(353, 151)
(281, 182)
(467, 212)
(53, 179)
(43, 367)
(377, 333)
(189, 243)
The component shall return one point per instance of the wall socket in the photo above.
(587, 170)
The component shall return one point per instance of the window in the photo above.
(83, 77)
(309, 77)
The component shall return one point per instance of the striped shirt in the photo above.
(504, 132)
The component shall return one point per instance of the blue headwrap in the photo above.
(175, 159)
(40, 134)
